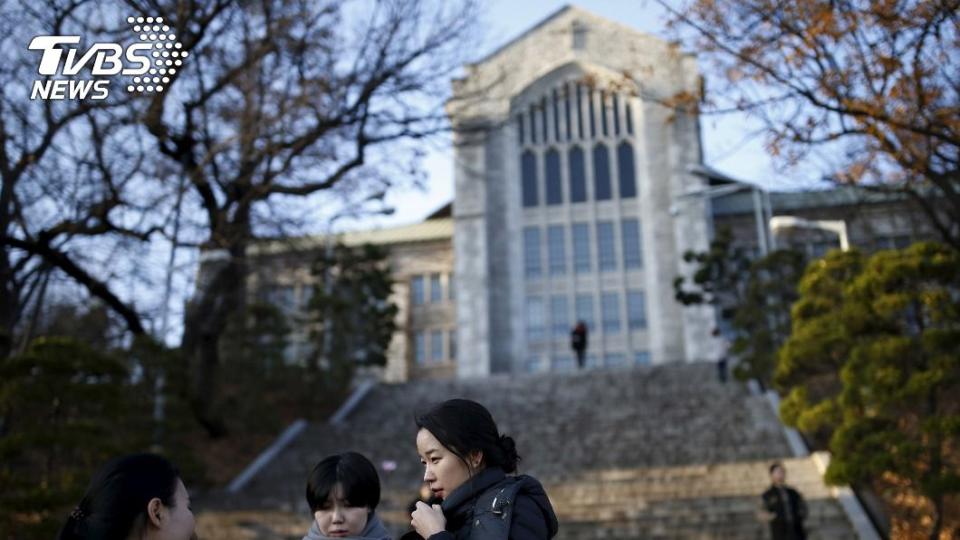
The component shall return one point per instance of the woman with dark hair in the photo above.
(139, 497)
(343, 492)
(466, 463)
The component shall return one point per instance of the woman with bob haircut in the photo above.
(343, 491)
(470, 466)
(140, 496)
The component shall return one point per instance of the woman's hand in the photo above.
(428, 521)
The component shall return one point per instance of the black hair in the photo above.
(463, 427)
(355, 474)
(115, 503)
(775, 465)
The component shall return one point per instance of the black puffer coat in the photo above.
(533, 517)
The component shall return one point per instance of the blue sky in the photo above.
(729, 144)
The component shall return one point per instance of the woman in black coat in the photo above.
(470, 466)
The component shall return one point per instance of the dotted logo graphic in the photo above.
(167, 54)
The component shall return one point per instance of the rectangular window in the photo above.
(552, 171)
(452, 344)
(616, 114)
(590, 109)
(556, 116)
(580, 112)
(536, 322)
(528, 179)
(606, 250)
(451, 290)
(584, 310)
(420, 348)
(642, 358)
(556, 254)
(636, 310)
(613, 359)
(610, 313)
(629, 116)
(534, 365)
(632, 257)
(533, 124)
(543, 118)
(581, 247)
(416, 290)
(520, 129)
(531, 252)
(558, 316)
(436, 346)
(578, 175)
(566, 110)
(436, 290)
(603, 113)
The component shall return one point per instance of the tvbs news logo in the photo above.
(146, 65)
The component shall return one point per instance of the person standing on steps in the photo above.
(471, 468)
(783, 507)
(723, 357)
(578, 342)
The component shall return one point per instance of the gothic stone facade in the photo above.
(567, 163)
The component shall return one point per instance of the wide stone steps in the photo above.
(652, 452)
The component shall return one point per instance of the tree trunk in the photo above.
(220, 292)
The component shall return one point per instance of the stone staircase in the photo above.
(645, 452)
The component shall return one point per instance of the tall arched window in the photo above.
(552, 170)
(628, 180)
(578, 176)
(601, 173)
(528, 172)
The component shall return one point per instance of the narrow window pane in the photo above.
(632, 257)
(593, 121)
(451, 289)
(601, 173)
(535, 319)
(606, 250)
(629, 115)
(581, 247)
(452, 344)
(528, 173)
(436, 346)
(636, 310)
(584, 311)
(420, 348)
(533, 124)
(543, 119)
(610, 313)
(566, 110)
(556, 254)
(628, 182)
(578, 176)
(613, 359)
(580, 112)
(558, 316)
(554, 186)
(531, 252)
(556, 116)
(603, 113)
(616, 114)
(642, 358)
(436, 290)
(520, 129)
(416, 290)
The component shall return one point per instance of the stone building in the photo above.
(567, 161)
(421, 261)
(577, 191)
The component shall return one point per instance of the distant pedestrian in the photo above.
(578, 342)
(723, 356)
(783, 507)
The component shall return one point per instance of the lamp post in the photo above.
(839, 227)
